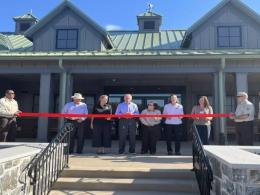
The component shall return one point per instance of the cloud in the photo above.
(113, 27)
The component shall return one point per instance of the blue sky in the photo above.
(177, 14)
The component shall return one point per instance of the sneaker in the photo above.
(177, 153)
(170, 153)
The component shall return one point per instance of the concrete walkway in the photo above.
(186, 148)
(113, 174)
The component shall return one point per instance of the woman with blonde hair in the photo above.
(101, 126)
(203, 124)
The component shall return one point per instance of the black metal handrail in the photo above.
(201, 164)
(46, 167)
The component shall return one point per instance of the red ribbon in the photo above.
(62, 115)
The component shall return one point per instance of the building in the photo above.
(46, 60)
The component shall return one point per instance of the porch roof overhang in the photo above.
(133, 55)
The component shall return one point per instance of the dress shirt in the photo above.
(72, 108)
(8, 107)
(245, 107)
(173, 109)
(124, 108)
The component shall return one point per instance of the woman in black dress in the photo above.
(101, 126)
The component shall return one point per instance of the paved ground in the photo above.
(129, 162)
(112, 159)
(161, 148)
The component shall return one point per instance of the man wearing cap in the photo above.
(8, 113)
(76, 107)
(244, 119)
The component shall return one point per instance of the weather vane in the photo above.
(150, 7)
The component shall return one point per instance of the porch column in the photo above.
(69, 83)
(241, 82)
(44, 99)
(219, 101)
(222, 97)
(216, 108)
(62, 95)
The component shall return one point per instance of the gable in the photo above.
(64, 16)
(202, 34)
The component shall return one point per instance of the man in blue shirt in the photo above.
(76, 107)
(127, 125)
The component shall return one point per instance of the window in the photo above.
(229, 36)
(149, 25)
(24, 26)
(67, 39)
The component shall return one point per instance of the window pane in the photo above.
(72, 34)
(222, 31)
(71, 44)
(61, 44)
(149, 25)
(67, 39)
(235, 42)
(223, 42)
(234, 31)
(62, 34)
(24, 26)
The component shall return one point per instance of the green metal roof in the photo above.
(12, 42)
(147, 14)
(121, 40)
(123, 55)
(28, 16)
(135, 40)
(4, 42)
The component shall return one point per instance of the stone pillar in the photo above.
(241, 82)
(44, 100)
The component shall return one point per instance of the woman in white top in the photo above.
(173, 125)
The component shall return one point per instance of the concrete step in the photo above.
(82, 183)
(69, 192)
(132, 173)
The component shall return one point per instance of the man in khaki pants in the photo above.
(8, 113)
(244, 119)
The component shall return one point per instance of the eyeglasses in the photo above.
(10, 92)
(150, 105)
